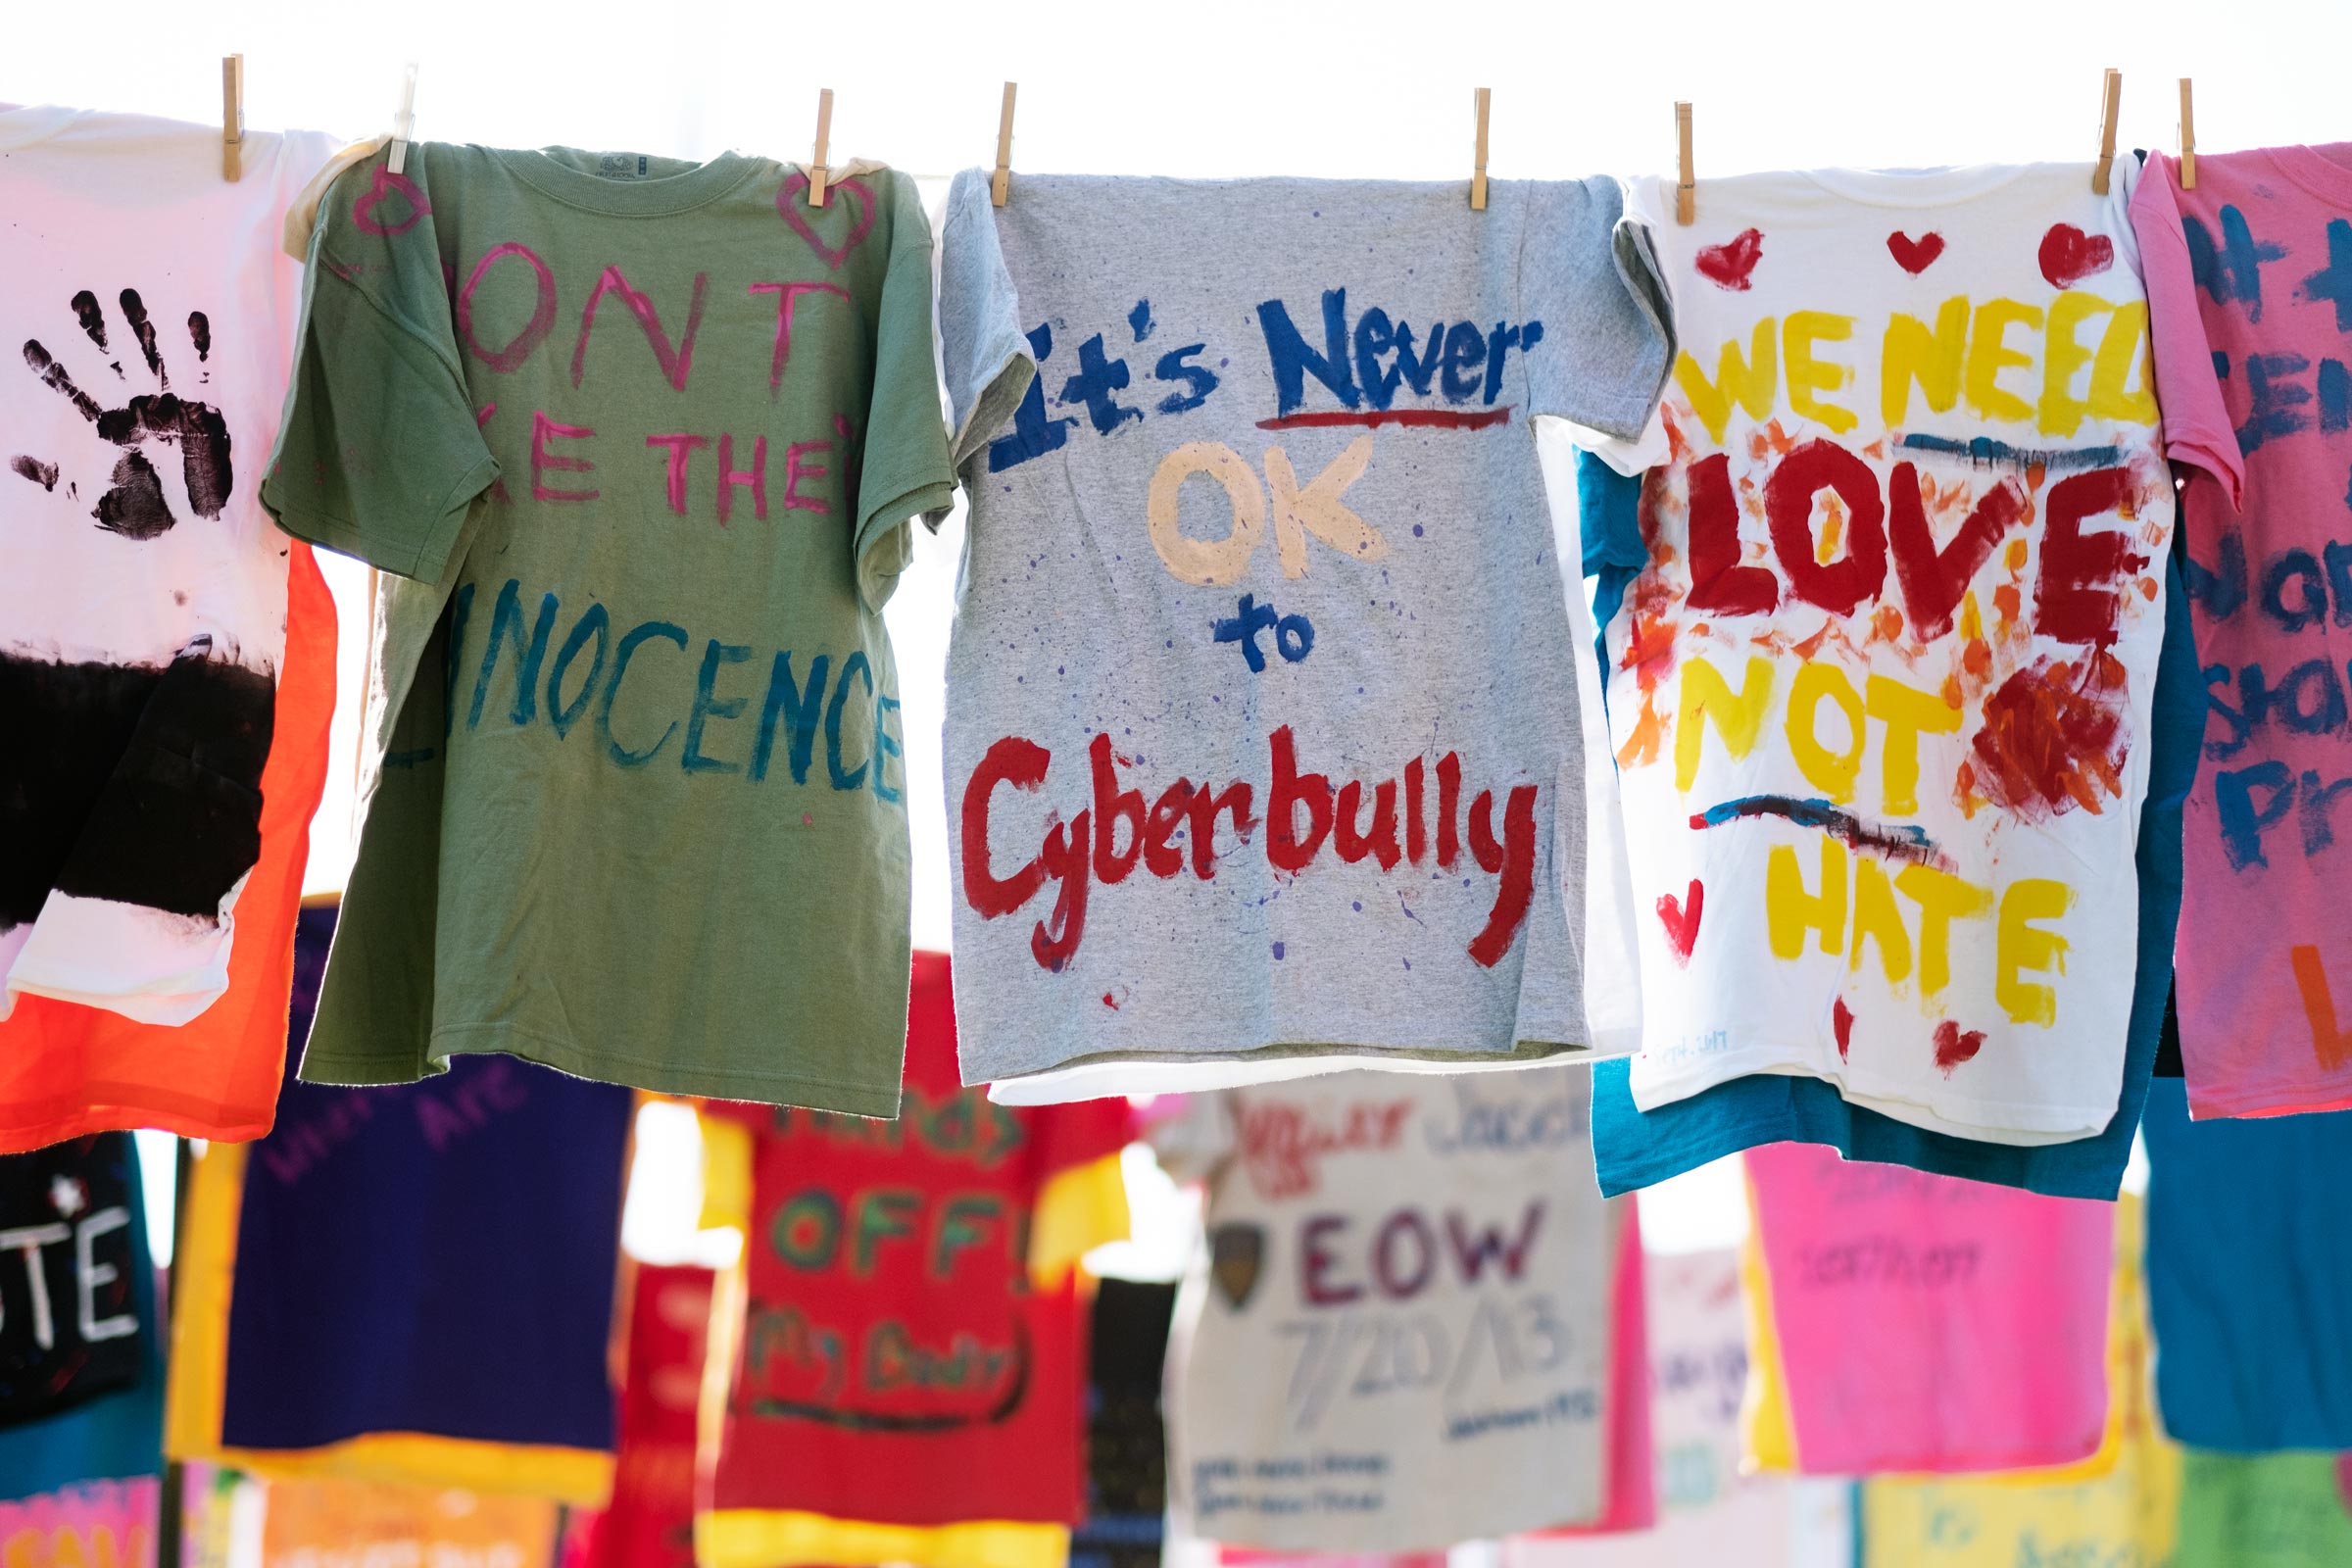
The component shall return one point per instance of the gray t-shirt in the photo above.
(1263, 739)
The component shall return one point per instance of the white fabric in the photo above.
(2002, 1019)
(98, 203)
(1399, 1337)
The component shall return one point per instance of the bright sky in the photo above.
(1204, 87)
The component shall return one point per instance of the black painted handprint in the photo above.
(137, 507)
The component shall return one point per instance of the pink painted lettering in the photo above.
(681, 447)
(543, 309)
(786, 294)
(677, 362)
(795, 471)
(543, 461)
(755, 477)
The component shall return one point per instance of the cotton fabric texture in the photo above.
(650, 1521)
(1707, 1511)
(167, 658)
(1989, 1313)
(2250, 287)
(1882, 697)
(909, 1375)
(320, 1267)
(2125, 1506)
(1448, 1236)
(2249, 1277)
(114, 1435)
(637, 443)
(2271, 1510)
(1263, 745)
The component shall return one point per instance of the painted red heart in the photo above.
(1914, 255)
(1728, 265)
(1955, 1045)
(2068, 256)
(1681, 920)
(387, 184)
(793, 201)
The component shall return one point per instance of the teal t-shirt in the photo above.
(637, 444)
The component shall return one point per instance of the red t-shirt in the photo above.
(896, 1366)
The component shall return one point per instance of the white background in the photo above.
(1197, 87)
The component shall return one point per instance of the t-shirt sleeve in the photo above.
(1590, 274)
(2188, 395)
(904, 473)
(380, 456)
(983, 355)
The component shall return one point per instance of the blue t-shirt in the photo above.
(436, 1257)
(2250, 1277)
(115, 1436)
(1635, 1149)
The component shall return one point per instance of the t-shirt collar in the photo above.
(558, 172)
(1920, 187)
(2324, 170)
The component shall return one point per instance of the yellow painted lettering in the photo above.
(2022, 948)
(1746, 380)
(1830, 772)
(1988, 356)
(2060, 411)
(1942, 898)
(1905, 710)
(1789, 910)
(1738, 716)
(1876, 916)
(1809, 377)
(1911, 353)
(2122, 349)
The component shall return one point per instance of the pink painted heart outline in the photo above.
(387, 184)
(793, 198)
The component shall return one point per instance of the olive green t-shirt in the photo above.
(637, 444)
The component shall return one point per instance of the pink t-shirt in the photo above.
(2249, 281)
(1928, 1325)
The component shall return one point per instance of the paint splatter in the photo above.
(1841, 1020)
(1277, 949)
(1727, 265)
(2054, 739)
(1681, 919)
(200, 334)
(1110, 1002)
(1954, 1044)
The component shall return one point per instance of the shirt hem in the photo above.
(2036, 1124)
(770, 1089)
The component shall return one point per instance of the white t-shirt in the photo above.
(1398, 1335)
(148, 313)
(1881, 698)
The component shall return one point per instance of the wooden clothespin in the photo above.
(404, 123)
(818, 174)
(2188, 140)
(1000, 184)
(2111, 107)
(1685, 183)
(1478, 155)
(232, 117)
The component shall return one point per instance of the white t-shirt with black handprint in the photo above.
(148, 317)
